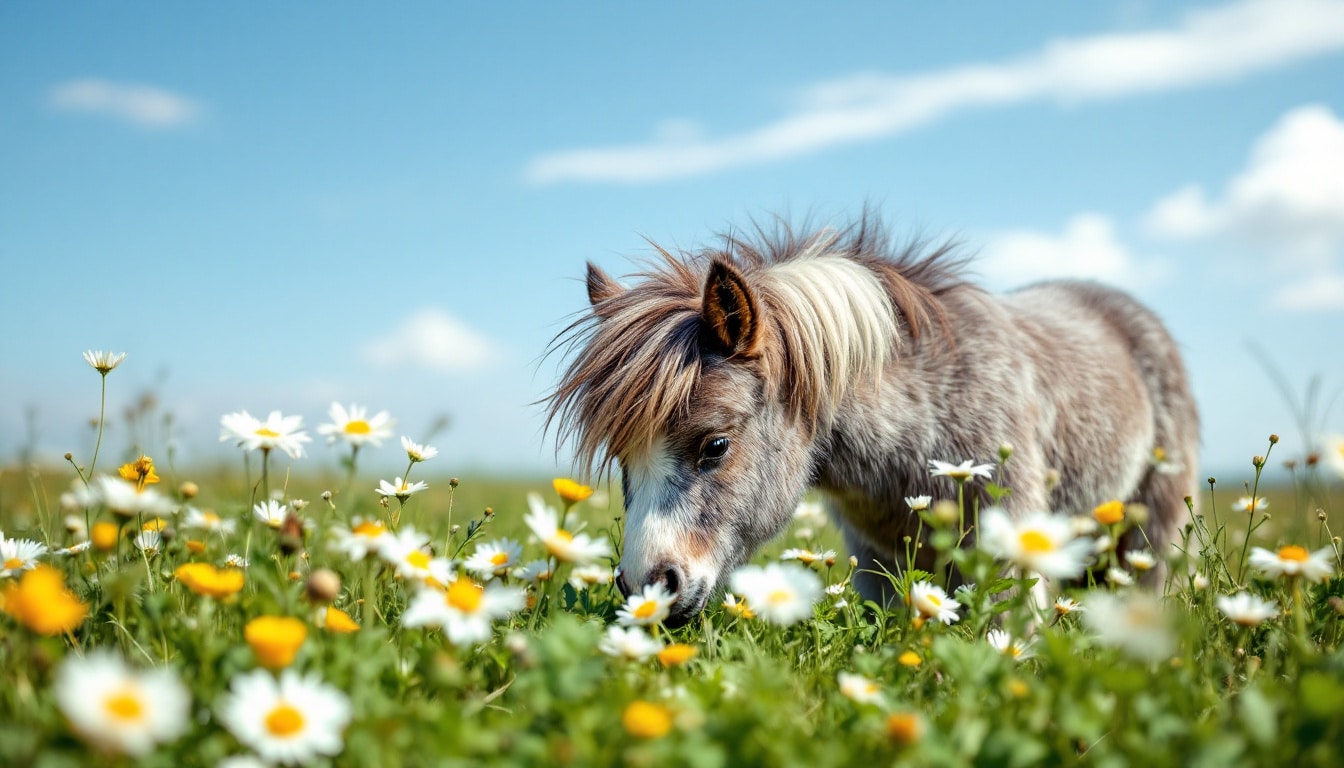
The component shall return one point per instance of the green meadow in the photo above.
(279, 610)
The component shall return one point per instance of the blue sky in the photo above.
(278, 206)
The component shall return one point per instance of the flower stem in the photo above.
(102, 417)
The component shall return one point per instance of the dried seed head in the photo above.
(188, 490)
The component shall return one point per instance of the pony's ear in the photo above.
(601, 287)
(732, 322)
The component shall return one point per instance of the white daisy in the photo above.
(119, 709)
(235, 560)
(648, 606)
(77, 527)
(363, 536)
(417, 452)
(585, 576)
(1246, 609)
(494, 558)
(535, 570)
(631, 643)
(293, 719)
(931, 602)
(960, 472)
(808, 557)
(208, 521)
(277, 431)
(271, 512)
(1015, 647)
(128, 500)
(1199, 582)
(1333, 451)
(1141, 561)
(860, 689)
(19, 555)
(1065, 605)
(1293, 560)
(355, 427)
(400, 488)
(465, 611)
(151, 542)
(918, 503)
(1250, 504)
(810, 514)
(1133, 621)
(74, 549)
(780, 593)
(563, 545)
(103, 362)
(1119, 577)
(1039, 542)
(408, 551)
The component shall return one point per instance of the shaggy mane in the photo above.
(836, 304)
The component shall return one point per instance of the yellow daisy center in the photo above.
(645, 610)
(125, 706)
(211, 518)
(934, 601)
(369, 529)
(779, 597)
(13, 563)
(357, 427)
(284, 721)
(563, 535)
(1035, 542)
(465, 596)
(267, 432)
(418, 559)
(1295, 553)
(499, 558)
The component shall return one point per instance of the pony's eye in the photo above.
(713, 450)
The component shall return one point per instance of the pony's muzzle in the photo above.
(673, 579)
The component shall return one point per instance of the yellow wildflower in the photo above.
(41, 602)
(205, 579)
(140, 472)
(571, 491)
(677, 654)
(647, 720)
(910, 659)
(338, 621)
(1109, 513)
(275, 639)
(105, 535)
(905, 728)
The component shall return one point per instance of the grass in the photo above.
(1190, 687)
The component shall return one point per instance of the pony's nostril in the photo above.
(670, 576)
(622, 584)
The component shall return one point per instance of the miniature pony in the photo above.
(728, 382)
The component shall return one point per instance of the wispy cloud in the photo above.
(434, 340)
(1206, 46)
(136, 103)
(1287, 203)
(1087, 248)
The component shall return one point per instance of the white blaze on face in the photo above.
(656, 533)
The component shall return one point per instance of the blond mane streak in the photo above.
(836, 325)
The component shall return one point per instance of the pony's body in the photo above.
(729, 382)
(1075, 377)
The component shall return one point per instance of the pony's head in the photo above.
(713, 381)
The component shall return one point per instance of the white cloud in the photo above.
(1322, 292)
(1286, 207)
(1290, 194)
(1086, 249)
(1208, 45)
(144, 105)
(434, 340)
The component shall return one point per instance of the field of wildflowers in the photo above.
(152, 619)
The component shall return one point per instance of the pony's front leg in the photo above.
(873, 579)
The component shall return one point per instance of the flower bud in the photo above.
(188, 490)
(323, 586)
